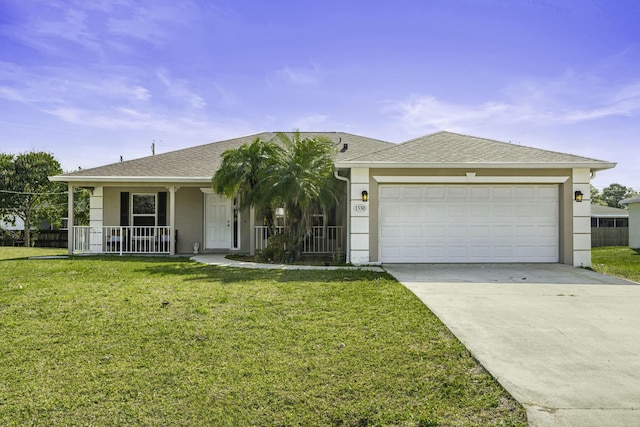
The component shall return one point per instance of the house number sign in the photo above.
(360, 207)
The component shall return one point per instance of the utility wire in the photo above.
(31, 194)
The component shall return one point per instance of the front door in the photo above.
(217, 222)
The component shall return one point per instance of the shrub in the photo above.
(279, 249)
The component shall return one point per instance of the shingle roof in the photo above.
(440, 149)
(204, 160)
(599, 211)
(444, 148)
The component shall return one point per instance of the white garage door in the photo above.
(468, 223)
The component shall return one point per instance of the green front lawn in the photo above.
(619, 261)
(165, 341)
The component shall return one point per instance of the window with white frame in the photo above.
(279, 214)
(144, 209)
(318, 222)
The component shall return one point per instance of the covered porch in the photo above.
(158, 219)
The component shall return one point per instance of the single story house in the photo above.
(634, 220)
(609, 226)
(607, 217)
(440, 198)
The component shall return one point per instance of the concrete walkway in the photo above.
(565, 342)
(220, 260)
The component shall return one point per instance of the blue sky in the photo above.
(89, 81)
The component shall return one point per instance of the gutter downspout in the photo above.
(348, 228)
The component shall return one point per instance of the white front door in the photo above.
(217, 222)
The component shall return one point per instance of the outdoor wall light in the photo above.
(365, 196)
(578, 196)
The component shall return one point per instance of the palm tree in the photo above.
(240, 170)
(300, 178)
(240, 173)
(291, 172)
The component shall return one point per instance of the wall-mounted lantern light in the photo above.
(578, 196)
(365, 196)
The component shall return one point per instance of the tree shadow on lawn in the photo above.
(196, 271)
(190, 270)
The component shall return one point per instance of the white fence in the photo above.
(322, 240)
(122, 240)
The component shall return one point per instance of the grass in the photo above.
(165, 341)
(619, 261)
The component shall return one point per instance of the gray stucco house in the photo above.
(440, 198)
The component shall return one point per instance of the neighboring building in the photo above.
(606, 216)
(634, 221)
(609, 226)
(17, 224)
(444, 197)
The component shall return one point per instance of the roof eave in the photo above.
(595, 166)
(131, 179)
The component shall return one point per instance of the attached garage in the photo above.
(467, 223)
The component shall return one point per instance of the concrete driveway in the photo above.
(565, 342)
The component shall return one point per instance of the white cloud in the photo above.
(179, 90)
(300, 76)
(310, 122)
(98, 26)
(572, 99)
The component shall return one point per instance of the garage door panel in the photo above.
(434, 231)
(409, 193)
(435, 210)
(502, 193)
(466, 223)
(388, 232)
(479, 193)
(503, 210)
(434, 193)
(549, 193)
(390, 192)
(455, 231)
(456, 193)
(479, 231)
(413, 232)
(457, 210)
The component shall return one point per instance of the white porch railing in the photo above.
(121, 240)
(322, 240)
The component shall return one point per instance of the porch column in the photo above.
(359, 230)
(70, 234)
(252, 233)
(96, 220)
(172, 218)
(581, 218)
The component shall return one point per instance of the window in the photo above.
(622, 222)
(318, 224)
(279, 217)
(607, 222)
(143, 209)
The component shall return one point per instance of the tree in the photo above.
(596, 197)
(614, 193)
(300, 178)
(27, 193)
(241, 171)
(291, 172)
(81, 209)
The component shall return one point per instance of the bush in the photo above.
(279, 249)
(339, 257)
